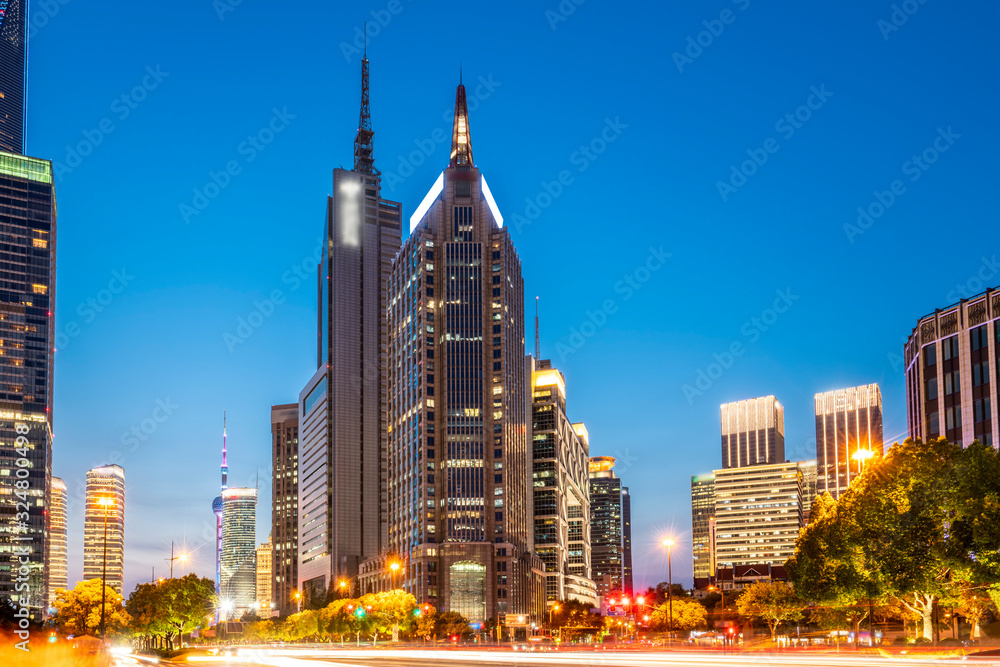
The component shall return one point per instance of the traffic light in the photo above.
(360, 613)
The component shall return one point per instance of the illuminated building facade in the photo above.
(105, 483)
(809, 486)
(27, 341)
(561, 490)
(57, 538)
(13, 73)
(953, 370)
(285, 505)
(753, 432)
(847, 421)
(458, 477)
(238, 584)
(758, 514)
(610, 528)
(265, 574)
(702, 524)
(343, 408)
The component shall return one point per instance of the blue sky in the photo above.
(265, 97)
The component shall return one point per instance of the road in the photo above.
(305, 657)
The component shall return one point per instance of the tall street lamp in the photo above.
(106, 502)
(394, 568)
(669, 543)
(182, 558)
(553, 608)
(861, 456)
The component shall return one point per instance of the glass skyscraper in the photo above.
(238, 583)
(104, 550)
(27, 298)
(610, 528)
(285, 505)
(457, 474)
(847, 421)
(13, 73)
(753, 432)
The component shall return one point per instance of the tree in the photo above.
(975, 604)
(687, 614)
(303, 624)
(452, 623)
(574, 618)
(771, 602)
(426, 623)
(78, 611)
(397, 607)
(186, 603)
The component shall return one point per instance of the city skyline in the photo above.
(642, 341)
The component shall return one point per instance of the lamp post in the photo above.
(182, 558)
(298, 601)
(669, 543)
(722, 594)
(861, 456)
(553, 608)
(106, 502)
(394, 568)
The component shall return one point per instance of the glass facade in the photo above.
(753, 432)
(106, 483)
(27, 296)
(238, 583)
(847, 420)
(284, 505)
(13, 73)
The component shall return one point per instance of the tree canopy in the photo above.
(78, 611)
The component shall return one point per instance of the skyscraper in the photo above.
(847, 421)
(342, 504)
(953, 372)
(238, 584)
(753, 432)
(27, 339)
(104, 526)
(457, 475)
(13, 73)
(57, 538)
(561, 490)
(611, 562)
(809, 481)
(703, 524)
(758, 514)
(285, 504)
(265, 574)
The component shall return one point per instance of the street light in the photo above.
(106, 502)
(182, 558)
(669, 543)
(298, 601)
(553, 608)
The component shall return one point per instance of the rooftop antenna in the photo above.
(364, 148)
(538, 344)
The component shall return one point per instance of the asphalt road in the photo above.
(290, 657)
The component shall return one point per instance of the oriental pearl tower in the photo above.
(217, 508)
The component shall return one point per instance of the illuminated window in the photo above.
(40, 243)
(39, 289)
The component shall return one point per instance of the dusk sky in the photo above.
(830, 103)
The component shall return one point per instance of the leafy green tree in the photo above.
(772, 602)
(426, 623)
(452, 623)
(186, 603)
(574, 619)
(78, 611)
(301, 625)
(686, 614)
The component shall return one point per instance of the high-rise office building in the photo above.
(847, 421)
(953, 372)
(238, 584)
(809, 483)
(104, 526)
(57, 538)
(265, 580)
(610, 509)
(702, 524)
(458, 478)
(753, 432)
(13, 74)
(285, 505)
(27, 341)
(560, 475)
(758, 514)
(343, 408)
(217, 509)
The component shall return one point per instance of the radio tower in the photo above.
(217, 509)
(364, 148)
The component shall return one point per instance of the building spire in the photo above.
(225, 465)
(364, 149)
(538, 342)
(461, 141)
